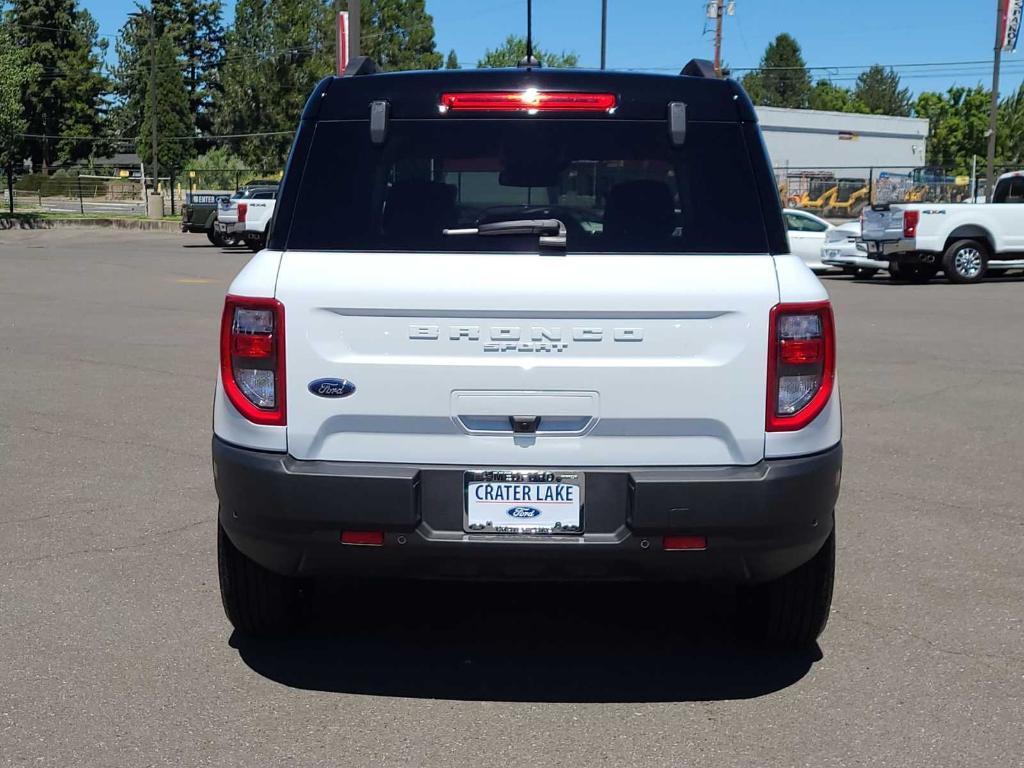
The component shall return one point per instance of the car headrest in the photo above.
(642, 209)
(418, 209)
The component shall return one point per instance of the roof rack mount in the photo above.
(700, 68)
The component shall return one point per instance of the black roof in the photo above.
(640, 96)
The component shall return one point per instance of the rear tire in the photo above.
(965, 261)
(792, 611)
(214, 237)
(257, 601)
(864, 273)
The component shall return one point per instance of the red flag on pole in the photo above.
(342, 42)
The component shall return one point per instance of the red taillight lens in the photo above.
(243, 209)
(530, 101)
(801, 364)
(252, 358)
(910, 220)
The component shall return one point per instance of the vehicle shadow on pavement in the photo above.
(512, 642)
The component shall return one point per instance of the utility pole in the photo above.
(719, 13)
(152, 92)
(604, 30)
(993, 115)
(355, 28)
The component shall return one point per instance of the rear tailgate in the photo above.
(627, 360)
(883, 224)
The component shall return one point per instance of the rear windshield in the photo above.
(617, 186)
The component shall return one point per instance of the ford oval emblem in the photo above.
(332, 387)
(521, 512)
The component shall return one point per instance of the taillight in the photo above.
(910, 220)
(243, 208)
(801, 364)
(252, 358)
(530, 101)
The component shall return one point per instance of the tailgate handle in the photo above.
(524, 425)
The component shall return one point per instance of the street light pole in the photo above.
(719, 12)
(993, 117)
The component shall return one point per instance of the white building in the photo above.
(845, 143)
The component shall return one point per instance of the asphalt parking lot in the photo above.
(114, 650)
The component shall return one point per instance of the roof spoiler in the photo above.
(699, 68)
(360, 65)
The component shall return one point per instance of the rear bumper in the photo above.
(890, 249)
(760, 521)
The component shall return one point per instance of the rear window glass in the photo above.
(616, 186)
(1009, 190)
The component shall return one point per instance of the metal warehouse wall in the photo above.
(804, 138)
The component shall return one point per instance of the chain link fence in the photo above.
(843, 192)
(112, 191)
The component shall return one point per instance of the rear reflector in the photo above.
(363, 538)
(685, 542)
(243, 209)
(530, 101)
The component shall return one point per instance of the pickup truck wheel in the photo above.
(864, 273)
(215, 238)
(792, 611)
(965, 261)
(257, 601)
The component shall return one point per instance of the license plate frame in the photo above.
(495, 516)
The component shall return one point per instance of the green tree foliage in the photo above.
(217, 169)
(15, 74)
(398, 34)
(878, 90)
(1010, 130)
(781, 79)
(452, 62)
(196, 29)
(833, 98)
(514, 50)
(171, 111)
(958, 121)
(274, 55)
(65, 98)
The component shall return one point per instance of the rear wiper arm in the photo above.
(514, 227)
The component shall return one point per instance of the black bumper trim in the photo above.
(760, 521)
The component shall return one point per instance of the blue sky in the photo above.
(664, 34)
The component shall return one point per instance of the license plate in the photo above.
(523, 501)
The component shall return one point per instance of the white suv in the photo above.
(505, 329)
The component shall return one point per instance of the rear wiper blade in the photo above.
(514, 227)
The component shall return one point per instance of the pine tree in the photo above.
(15, 74)
(172, 112)
(833, 98)
(781, 79)
(398, 34)
(513, 50)
(274, 55)
(65, 100)
(196, 29)
(452, 62)
(879, 91)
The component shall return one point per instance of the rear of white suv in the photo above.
(504, 329)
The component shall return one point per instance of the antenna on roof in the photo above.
(528, 60)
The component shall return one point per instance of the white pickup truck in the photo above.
(964, 240)
(247, 214)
